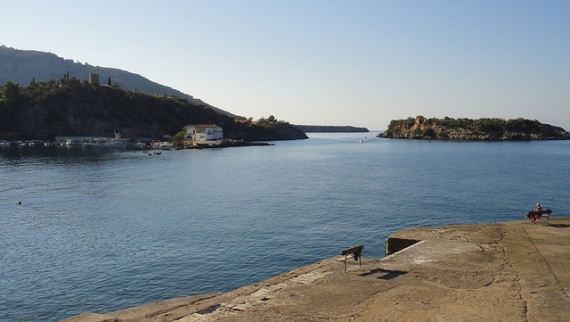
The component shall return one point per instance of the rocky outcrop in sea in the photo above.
(485, 129)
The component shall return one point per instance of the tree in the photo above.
(9, 100)
(109, 81)
(178, 138)
(10, 92)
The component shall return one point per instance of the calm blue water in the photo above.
(101, 231)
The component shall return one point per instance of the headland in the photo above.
(331, 129)
(506, 271)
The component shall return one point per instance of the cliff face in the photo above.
(70, 108)
(473, 130)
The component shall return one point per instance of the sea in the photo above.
(98, 231)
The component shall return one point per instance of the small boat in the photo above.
(140, 145)
(166, 146)
(36, 143)
(104, 143)
(73, 143)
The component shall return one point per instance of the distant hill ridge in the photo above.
(24, 66)
(330, 128)
(68, 107)
(463, 129)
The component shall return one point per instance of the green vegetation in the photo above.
(470, 129)
(69, 107)
(178, 138)
(23, 66)
(9, 102)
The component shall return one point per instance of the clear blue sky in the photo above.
(323, 62)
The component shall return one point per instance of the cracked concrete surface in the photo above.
(509, 271)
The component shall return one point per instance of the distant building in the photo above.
(93, 78)
(203, 132)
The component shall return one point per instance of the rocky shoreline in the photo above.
(44, 110)
(421, 128)
(510, 271)
(225, 143)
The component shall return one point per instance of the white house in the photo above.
(203, 132)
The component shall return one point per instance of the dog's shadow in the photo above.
(386, 273)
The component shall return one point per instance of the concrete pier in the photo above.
(511, 271)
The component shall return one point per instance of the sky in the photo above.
(322, 62)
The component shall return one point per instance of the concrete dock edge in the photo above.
(508, 271)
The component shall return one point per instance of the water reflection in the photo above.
(16, 154)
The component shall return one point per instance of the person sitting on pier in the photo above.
(537, 214)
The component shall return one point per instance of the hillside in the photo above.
(24, 66)
(330, 128)
(485, 129)
(68, 107)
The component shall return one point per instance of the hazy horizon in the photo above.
(323, 62)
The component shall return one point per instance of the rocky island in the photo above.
(463, 129)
